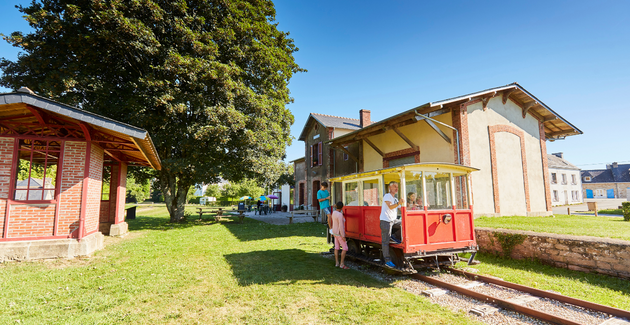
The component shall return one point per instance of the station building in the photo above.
(501, 131)
(63, 176)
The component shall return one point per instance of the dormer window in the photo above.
(587, 178)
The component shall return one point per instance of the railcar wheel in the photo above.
(353, 247)
(397, 257)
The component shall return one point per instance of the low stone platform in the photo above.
(50, 248)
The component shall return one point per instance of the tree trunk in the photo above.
(174, 191)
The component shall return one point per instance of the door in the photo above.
(315, 189)
(610, 193)
(566, 198)
(589, 194)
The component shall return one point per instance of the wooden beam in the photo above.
(409, 142)
(527, 106)
(506, 94)
(567, 132)
(347, 153)
(437, 129)
(111, 154)
(373, 146)
(553, 118)
(484, 102)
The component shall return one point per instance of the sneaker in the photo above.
(394, 240)
(390, 264)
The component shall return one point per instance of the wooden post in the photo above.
(595, 204)
(568, 210)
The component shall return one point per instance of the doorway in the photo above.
(315, 189)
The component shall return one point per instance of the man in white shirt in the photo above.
(389, 221)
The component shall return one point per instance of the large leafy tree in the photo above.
(207, 78)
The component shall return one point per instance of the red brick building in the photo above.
(63, 176)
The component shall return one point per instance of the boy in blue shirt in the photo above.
(323, 196)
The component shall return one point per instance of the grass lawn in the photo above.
(596, 288)
(207, 273)
(611, 227)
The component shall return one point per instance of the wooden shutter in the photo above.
(311, 155)
(319, 154)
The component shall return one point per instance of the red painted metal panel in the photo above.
(372, 223)
(354, 221)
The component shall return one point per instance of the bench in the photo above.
(218, 211)
(306, 213)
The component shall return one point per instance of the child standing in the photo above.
(339, 231)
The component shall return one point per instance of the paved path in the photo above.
(278, 218)
(602, 204)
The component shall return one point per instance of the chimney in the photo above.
(615, 165)
(558, 154)
(364, 118)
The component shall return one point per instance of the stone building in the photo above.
(501, 131)
(612, 182)
(565, 181)
(320, 161)
(63, 176)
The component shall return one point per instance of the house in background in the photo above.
(501, 131)
(610, 183)
(566, 183)
(320, 161)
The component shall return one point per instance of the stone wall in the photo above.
(580, 253)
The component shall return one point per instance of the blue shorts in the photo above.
(326, 210)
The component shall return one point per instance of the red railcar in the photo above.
(436, 221)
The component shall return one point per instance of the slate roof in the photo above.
(554, 161)
(610, 175)
(332, 122)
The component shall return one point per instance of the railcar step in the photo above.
(484, 310)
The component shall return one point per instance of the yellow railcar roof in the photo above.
(426, 167)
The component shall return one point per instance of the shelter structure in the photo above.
(63, 176)
(501, 131)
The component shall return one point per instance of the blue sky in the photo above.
(390, 56)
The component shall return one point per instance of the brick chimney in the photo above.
(364, 118)
(559, 155)
(615, 165)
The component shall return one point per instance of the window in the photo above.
(554, 178)
(575, 194)
(351, 194)
(105, 189)
(415, 192)
(564, 179)
(573, 180)
(438, 191)
(371, 196)
(316, 154)
(599, 192)
(587, 178)
(36, 174)
(555, 196)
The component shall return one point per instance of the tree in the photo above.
(249, 187)
(229, 191)
(213, 190)
(207, 78)
(137, 191)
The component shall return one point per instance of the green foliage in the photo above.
(286, 176)
(137, 191)
(213, 190)
(194, 200)
(611, 211)
(508, 241)
(208, 79)
(249, 187)
(229, 191)
(625, 207)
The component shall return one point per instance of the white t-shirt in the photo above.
(388, 214)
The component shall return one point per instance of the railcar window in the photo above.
(371, 197)
(415, 192)
(461, 191)
(438, 191)
(351, 194)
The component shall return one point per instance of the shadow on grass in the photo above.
(288, 266)
(599, 280)
(256, 230)
(162, 223)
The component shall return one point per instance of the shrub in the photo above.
(625, 208)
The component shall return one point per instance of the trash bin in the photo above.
(131, 213)
(241, 206)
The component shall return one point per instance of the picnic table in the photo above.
(306, 213)
(218, 211)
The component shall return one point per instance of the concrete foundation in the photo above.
(53, 248)
(120, 229)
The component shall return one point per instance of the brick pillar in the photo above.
(121, 193)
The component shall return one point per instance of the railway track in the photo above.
(549, 307)
(525, 302)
